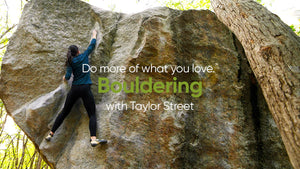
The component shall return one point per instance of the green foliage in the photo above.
(296, 28)
(16, 150)
(187, 4)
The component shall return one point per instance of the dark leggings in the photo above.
(76, 92)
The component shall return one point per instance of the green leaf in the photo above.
(187, 4)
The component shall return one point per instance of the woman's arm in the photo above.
(92, 44)
(68, 73)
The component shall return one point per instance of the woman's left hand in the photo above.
(64, 79)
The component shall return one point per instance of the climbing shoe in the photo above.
(95, 142)
(49, 136)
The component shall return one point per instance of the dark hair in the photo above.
(72, 52)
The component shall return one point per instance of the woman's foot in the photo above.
(49, 136)
(95, 142)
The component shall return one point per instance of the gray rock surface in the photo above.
(230, 126)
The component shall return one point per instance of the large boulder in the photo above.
(230, 126)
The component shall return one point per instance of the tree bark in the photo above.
(273, 51)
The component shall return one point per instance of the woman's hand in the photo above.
(94, 35)
(64, 79)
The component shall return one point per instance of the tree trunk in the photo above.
(273, 51)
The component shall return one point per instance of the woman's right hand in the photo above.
(94, 35)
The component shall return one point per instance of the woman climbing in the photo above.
(80, 89)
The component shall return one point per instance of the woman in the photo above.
(80, 89)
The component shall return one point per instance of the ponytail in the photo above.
(72, 52)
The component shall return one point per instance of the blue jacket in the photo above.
(76, 66)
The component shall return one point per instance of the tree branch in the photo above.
(3, 47)
(7, 30)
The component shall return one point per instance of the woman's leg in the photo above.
(89, 104)
(70, 100)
